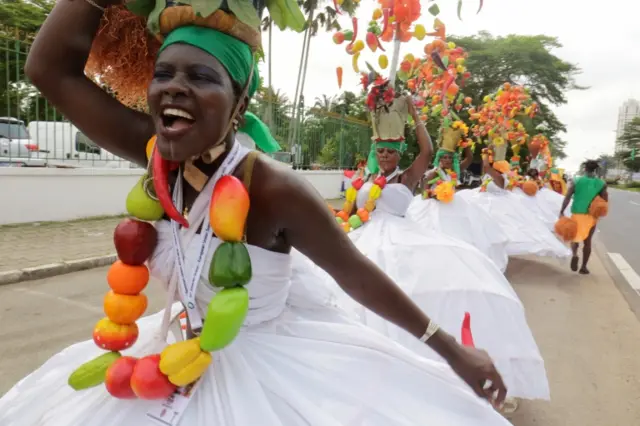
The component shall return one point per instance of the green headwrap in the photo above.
(372, 161)
(236, 57)
(455, 162)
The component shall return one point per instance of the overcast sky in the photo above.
(602, 38)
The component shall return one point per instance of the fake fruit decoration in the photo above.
(148, 382)
(129, 279)
(118, 378)
(161, 168)
(443, 187)
(135, 241)
(530, 188)
(566, 228)
(466, 337)
(229, 209)
(123, 308)
(339, 72)
(230, 266)
(92, 373)
(112, 336)
(184, 362)
(141, 204)
(225, 315)
(496, 120)
(349, 221)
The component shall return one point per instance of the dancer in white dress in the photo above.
(294, 361)
(457, 217)
(527, 234)
(443, 275)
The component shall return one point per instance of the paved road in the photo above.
(620, 233)
(587, 335)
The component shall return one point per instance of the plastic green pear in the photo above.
(140, 205)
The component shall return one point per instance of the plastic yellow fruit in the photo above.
(179, 355)
(358, 46)
(383, 61)
(409, 58)
(193, 371)
(419, 32)
(354, 61)
(377, 14)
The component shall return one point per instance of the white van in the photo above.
(65, 145)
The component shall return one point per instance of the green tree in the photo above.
(20, 20)
(629, 142)
(524, 60)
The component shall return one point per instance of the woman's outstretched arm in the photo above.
(56, 65)
(309, 226)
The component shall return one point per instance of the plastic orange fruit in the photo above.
(124, 309)
(127, 279)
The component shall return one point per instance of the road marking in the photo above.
(80, 305)
(626, 270)
(634, 203)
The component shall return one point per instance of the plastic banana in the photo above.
(193, 371)
(177, 356)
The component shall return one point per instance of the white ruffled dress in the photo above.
(461, 220)
(446, 277)
(526, 232)
(296, 362)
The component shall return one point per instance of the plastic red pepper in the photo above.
(354, 21)
(161, 169)
(467, 337)
(335, 6)
(380, 44)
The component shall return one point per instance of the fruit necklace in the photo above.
(445, 183)
(355, 221)
(180, 364)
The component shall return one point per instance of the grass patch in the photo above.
(45, 223)
(625, 187)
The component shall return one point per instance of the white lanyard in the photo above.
(187, 287)
(392, 175)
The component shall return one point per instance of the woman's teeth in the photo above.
(176, 119)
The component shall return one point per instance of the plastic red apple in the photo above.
(148, 382)
(135, 241)
(118, 378)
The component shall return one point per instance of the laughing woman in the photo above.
(292, 362)
(442, 275)
(453, 215)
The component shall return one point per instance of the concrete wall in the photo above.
(49, 194)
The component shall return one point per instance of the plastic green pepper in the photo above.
(225, 315)
(230, 265)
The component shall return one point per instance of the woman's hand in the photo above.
(412, 107)
(475, 367)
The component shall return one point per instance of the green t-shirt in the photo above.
(586, 188)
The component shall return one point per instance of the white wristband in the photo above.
(432, 328)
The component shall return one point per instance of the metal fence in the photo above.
(34, 133)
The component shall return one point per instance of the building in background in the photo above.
(627, 112)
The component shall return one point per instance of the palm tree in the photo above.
(325, 103)
(267, 25)
(318, 17)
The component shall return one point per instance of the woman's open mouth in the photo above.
(176, 121)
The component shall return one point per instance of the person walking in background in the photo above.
(584, 190)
